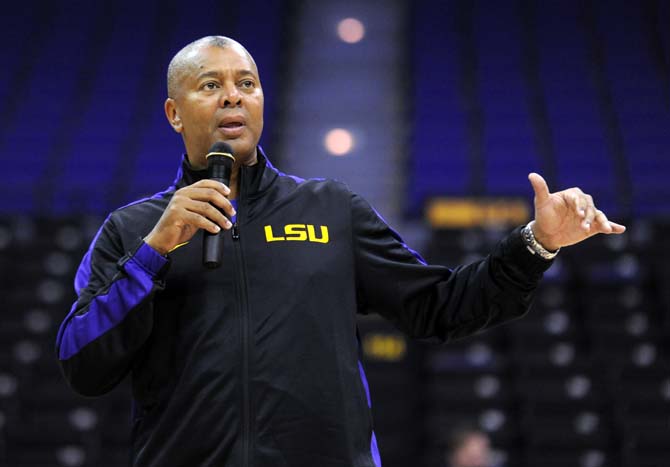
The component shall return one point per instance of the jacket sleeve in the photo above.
(428, 301)
(113, 314)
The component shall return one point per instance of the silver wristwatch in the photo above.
(534, 246)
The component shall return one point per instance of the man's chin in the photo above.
(243, 151)
(248, 157)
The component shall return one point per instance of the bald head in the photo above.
(183, 61)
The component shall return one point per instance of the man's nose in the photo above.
(230, 96)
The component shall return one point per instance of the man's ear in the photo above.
(172, 115)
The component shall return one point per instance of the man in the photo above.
(257, 362)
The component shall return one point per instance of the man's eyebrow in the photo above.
(207, 74)
(214, 73)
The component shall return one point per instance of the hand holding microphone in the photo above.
(202, 205)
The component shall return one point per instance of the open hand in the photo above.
(566, 217)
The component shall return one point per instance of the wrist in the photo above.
(151, 241)
(534, 246)
(543, 239)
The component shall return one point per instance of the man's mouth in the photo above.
(231, 125)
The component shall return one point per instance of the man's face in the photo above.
(219, 98)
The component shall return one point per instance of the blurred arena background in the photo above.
(433, 110)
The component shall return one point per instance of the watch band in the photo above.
(534, 246)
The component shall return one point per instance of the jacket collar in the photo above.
(254, 180)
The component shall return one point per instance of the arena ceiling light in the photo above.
(338, 142)
(351, 30)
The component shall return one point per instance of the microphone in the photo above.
(220, 161)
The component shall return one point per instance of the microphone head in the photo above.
(220, 153)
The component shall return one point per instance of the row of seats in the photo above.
(107, 141)
(576, 91)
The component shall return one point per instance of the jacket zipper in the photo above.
(244, 320)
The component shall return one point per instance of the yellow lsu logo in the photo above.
(298, 233)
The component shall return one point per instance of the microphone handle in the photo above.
(212, 247)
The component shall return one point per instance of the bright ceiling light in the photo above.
(338, 142)
(351, 30)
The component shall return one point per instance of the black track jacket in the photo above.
(257, 363)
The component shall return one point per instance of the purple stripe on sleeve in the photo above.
(414, 253)
(374, 449)
(80, 283)
(108, 310)
(364, 380)
(150, 260)
(83, 273)
(84, 270)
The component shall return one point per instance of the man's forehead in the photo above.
(203, 58)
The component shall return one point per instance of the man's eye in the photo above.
(211, 85)
(247, 83)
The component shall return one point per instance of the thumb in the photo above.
(540, 187)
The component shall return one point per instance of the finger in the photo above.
(200, 222)
(617, 228)
(602, 222)
(539, 187)
(208, 211)
(208, 183)
(590, 213)
(578, 202)
(213, 196)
